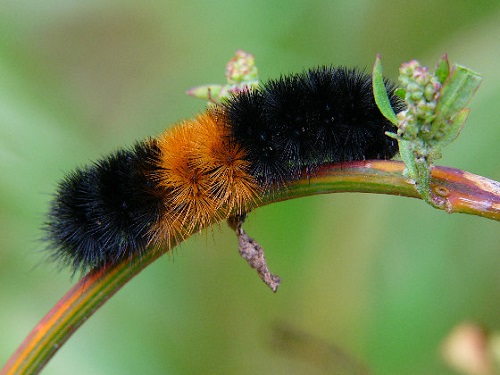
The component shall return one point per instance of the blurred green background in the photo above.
(80, 79)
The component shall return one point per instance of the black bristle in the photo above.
(258, 136)
(102, 213)
(323, 115)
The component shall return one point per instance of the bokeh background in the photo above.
(369, 282)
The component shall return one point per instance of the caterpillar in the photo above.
(216, 165)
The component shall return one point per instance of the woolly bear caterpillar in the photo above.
(215, 165)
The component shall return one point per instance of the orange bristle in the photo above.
(190, 198)
(205, 176)
(233, 187)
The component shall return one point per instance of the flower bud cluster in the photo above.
(423, 89)
(241, 68)
(241, 75)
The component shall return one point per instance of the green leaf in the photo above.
(454, 128)
(380, 92)
(457, 91)
(443, 69)
(408, 158)
(205, 91)
(401, 92)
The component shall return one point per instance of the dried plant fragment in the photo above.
(253, 253)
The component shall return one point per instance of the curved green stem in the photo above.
(460, 191)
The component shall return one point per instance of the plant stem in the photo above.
(460, 191)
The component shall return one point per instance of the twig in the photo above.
(462, 191)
